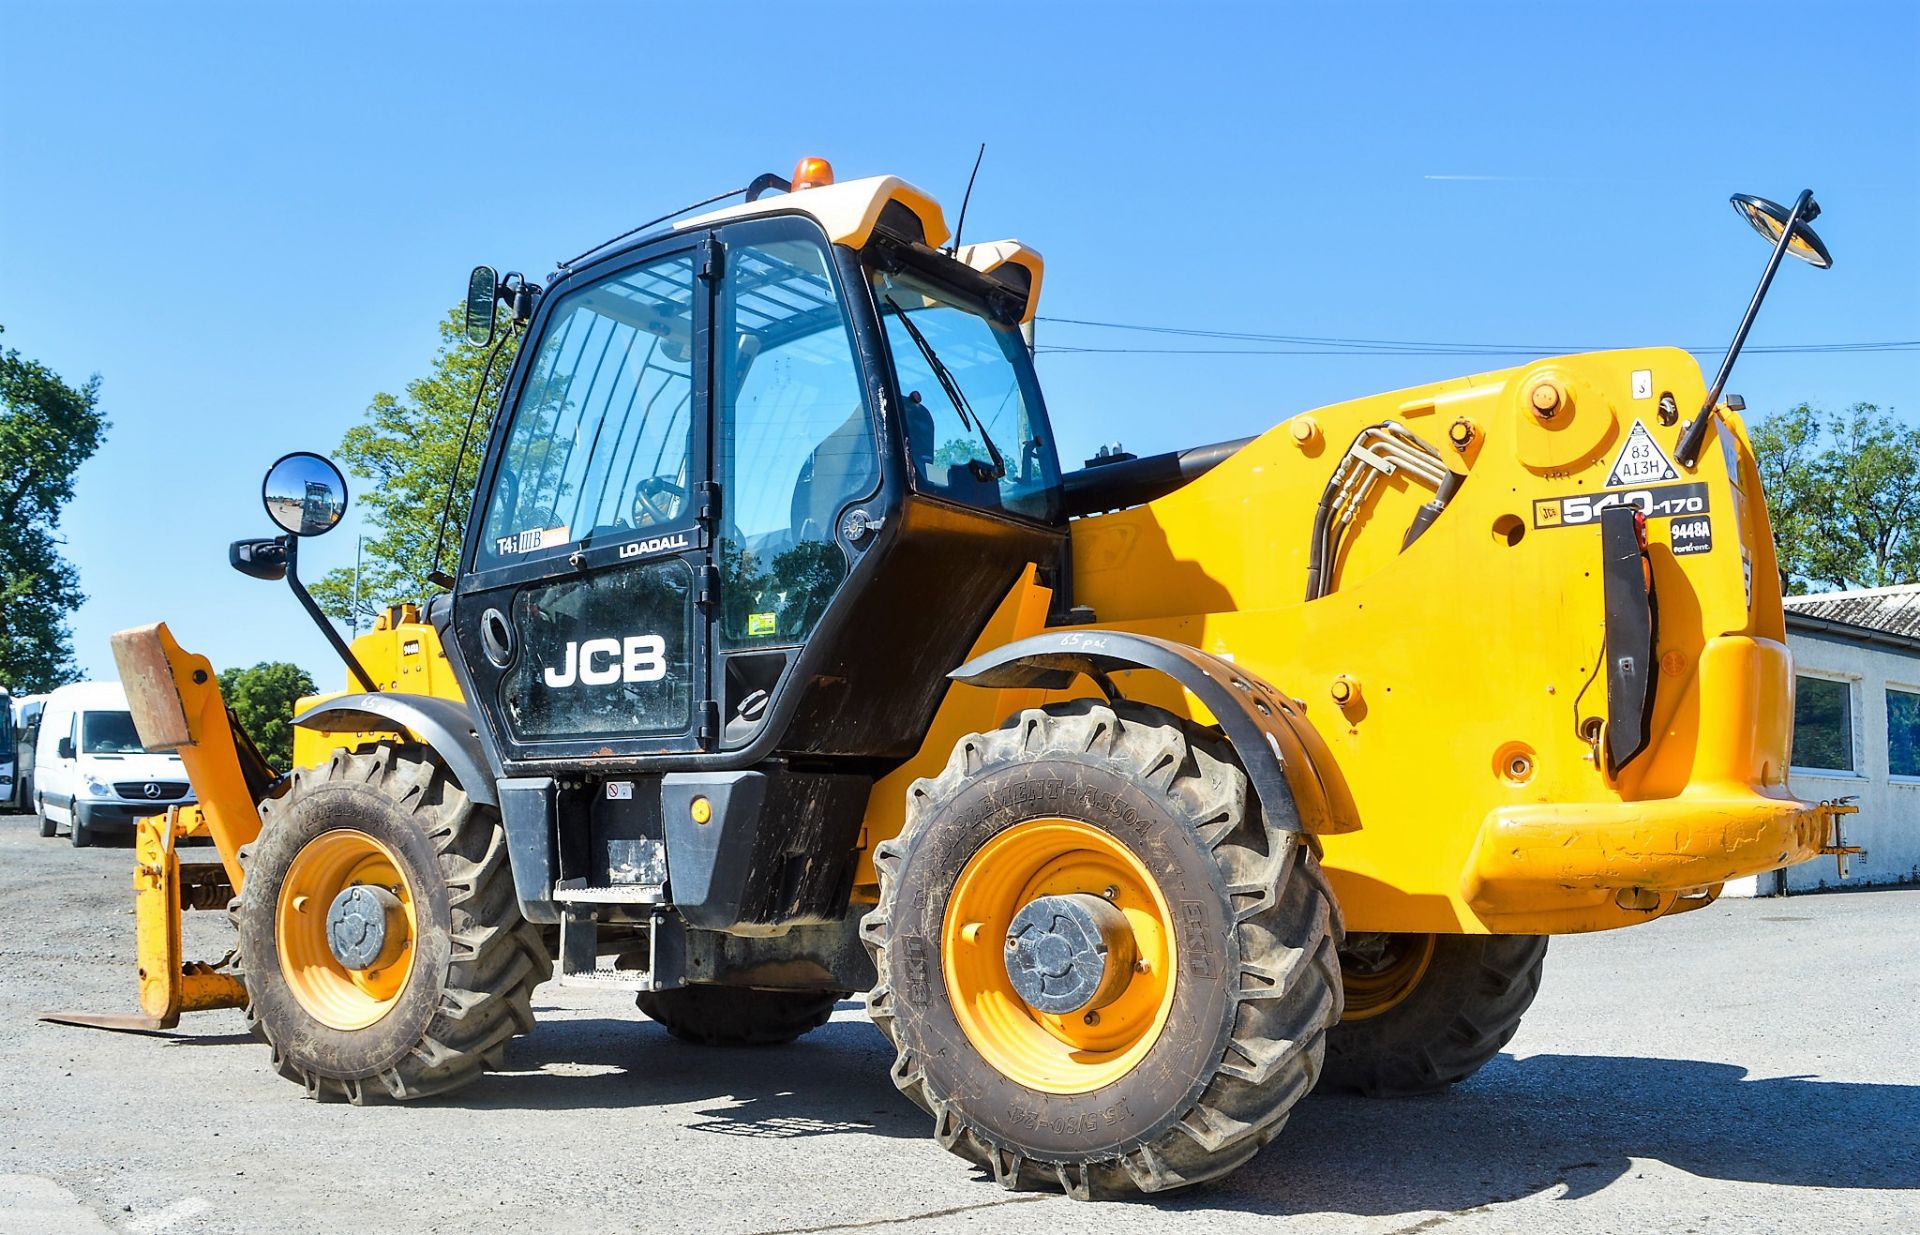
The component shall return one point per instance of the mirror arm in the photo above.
(1687, 451)
(320, 619)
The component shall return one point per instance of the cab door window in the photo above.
(794, 441)
(601, 444)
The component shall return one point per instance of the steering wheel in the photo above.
(649, 509)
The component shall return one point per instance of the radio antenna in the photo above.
(965, 198)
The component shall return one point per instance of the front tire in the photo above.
(738, 1015)
(1195, 1063)
(1428, 1011)
(79, 835)
(454, 980)
(47, 826)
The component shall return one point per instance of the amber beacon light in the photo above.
(812, 173)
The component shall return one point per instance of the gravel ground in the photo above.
(1748, 1068)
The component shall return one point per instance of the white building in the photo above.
(1856, 731)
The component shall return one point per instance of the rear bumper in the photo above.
(1636, 855)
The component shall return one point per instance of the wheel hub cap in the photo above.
(365, 927)
(1068, 953)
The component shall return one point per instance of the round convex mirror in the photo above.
(1770, 219)
(305, 494)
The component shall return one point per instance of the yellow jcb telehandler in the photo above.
(781, 660)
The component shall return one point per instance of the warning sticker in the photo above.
(1663, 502)
(1641, 461)
(759, 624)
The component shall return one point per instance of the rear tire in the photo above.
(738, 1015)
(1464, 1006)
(1246, 986)
(471, 962)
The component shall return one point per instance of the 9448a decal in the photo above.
(1657, 501)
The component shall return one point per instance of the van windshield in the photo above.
(109, 733)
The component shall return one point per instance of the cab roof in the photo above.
(850, 210)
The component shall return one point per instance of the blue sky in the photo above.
(248, 217)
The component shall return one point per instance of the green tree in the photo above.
(262, 699)
(1843, 490)
(406, 446)
(48, 428)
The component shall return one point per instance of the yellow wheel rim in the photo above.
(1076, 1052)
(1375, 985)
(335, 995)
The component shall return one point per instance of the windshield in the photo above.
(109, 733)
(975, 424)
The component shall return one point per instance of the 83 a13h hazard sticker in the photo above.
(1641, 461)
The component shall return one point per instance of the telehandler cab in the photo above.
(781, 661)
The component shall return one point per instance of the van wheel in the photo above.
(47, 826)
(79, 835)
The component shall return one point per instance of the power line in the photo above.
(1328, 345)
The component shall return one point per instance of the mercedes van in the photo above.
(90, 771)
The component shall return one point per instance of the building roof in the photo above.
(1893, 610)
(1888, 616)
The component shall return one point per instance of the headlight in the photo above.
(99, 788)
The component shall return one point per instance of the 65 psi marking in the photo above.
(1658, 502)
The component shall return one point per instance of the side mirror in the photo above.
(65, 748)
(1771, 220)
(264, 558)
(483, 294)
(304, 494)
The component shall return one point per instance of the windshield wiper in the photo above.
(954, 393)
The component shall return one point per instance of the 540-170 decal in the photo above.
(1658, 502)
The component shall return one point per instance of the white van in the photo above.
(89, 769)
(8, 771)
(26, 731)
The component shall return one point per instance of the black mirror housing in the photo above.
(263, 557)
(65, 748)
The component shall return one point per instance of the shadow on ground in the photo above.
(1525, 1125)
(1518, 1128)
(834, 1080)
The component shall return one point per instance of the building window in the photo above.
(1903, 732)
(1822, 724)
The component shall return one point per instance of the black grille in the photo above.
(166, 790)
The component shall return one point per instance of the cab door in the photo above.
(580, 613)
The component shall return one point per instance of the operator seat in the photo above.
(840, 469)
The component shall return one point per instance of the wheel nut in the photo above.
(1111, 892)
(1091, 1018)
